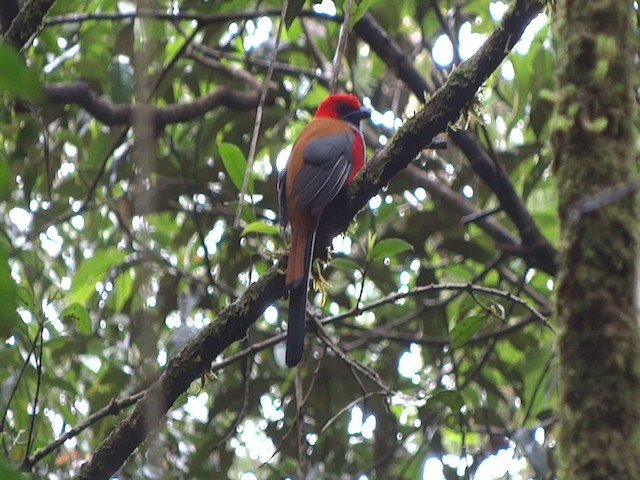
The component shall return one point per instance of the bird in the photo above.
(325, 157)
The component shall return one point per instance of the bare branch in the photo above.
(258, 121)
(122, 113)
(440, 191)
(536, 248)
(201, 19)
(285, 68)
(342, 43)
(221, 97)
(189, 364)
(113, 408)
(81, 94)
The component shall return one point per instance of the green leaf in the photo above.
(372, 238)
(466, 329)
(450, 398)
(79, 316)
(345, 264)
(122, 288)
(58, 343)
(235, 164)
(8, 473)
(92, 271)
(260, 227)
(390, 247)
(15, 77)
(361, 8)
(8, 298)
(100, 146)
(248, 215)
(5, 177)
(25, 298)
(120, 80)
(293, 10)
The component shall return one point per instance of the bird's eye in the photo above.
(343, 108)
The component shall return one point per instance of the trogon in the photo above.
(325, 157)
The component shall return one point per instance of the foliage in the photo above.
(433, 345)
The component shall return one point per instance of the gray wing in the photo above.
(327, 163)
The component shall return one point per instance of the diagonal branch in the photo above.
(113, 408)
(233, 322)
(463, 207)
(535, 248)
(189, 364)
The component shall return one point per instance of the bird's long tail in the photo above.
(298, 270)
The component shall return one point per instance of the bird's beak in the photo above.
(357, 115)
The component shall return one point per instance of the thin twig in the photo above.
(394, 297)
(425, 340)
(297, 418)
(347, 407)
(36, 396)
(114, 407)
(256, 126)
(243, 409)
(15, 386)
(201, 19)
(342, 43)
(366, 371)
(285, 68)
(536, 388)
(182, 51)
(316, 53)
(33, 234)
(364, 277)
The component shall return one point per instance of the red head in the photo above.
(343, 106)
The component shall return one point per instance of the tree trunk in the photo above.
(595, 160)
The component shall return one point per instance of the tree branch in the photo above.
(122, 113)
(113, 408)
(441, 192)
(189, 364)
(201, 19)
(285, 68)
(27, 22)
(535, 249)
(81, 94)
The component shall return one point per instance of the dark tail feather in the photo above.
(298, 309)
(297, 315)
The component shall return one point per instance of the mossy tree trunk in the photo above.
(594, 159)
